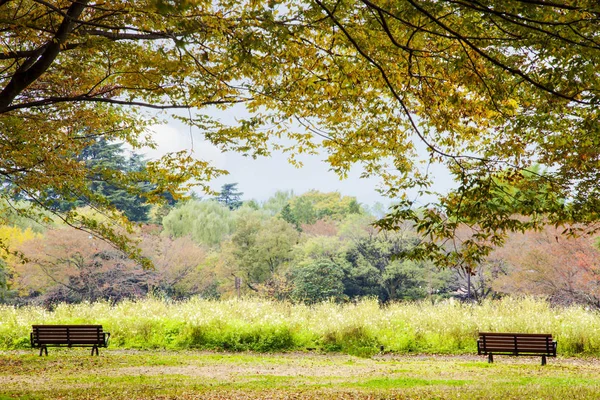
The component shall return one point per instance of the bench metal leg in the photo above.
(43, 349)
(95, 348)
(543, 360)
(490, 358)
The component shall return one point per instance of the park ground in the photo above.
(129, 374)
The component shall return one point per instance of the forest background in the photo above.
(307, 248)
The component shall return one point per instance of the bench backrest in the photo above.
(68, 334)
(534, 343)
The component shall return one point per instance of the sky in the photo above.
(260, 178)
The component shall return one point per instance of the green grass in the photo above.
(359, 329)
(126, 374)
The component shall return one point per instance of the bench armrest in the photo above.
(106, 337)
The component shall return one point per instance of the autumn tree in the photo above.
(67, 265)
(71, 266)
(12, 236)
(478, 284)
(73, 72)
(565, 270)
(484, 89)
(313, 206)
(322, 227)
(179, 266)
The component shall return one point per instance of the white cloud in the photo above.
(261, 178)
(171, 138)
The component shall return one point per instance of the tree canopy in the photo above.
(485, 88)
(206, 222)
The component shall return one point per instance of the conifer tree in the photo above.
(230, 197)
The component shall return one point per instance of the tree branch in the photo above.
(85, 98)
(24, 77)
(494, 61)
(33, 54)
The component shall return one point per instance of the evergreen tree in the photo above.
(107, 165)
(230, 197)
(288, 216)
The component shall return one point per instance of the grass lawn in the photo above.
(125, 374)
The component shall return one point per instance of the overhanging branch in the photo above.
(25, 77)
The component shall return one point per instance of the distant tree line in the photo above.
(304, 248)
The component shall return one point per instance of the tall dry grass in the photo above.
(266, 326)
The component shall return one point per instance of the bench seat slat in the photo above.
(549, 344)
(514, 334)
(489, 345)
(58, 337)
(67, 342)
(41, 332)
(520, 349)
(487, 340)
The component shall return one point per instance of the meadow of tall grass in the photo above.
(361, 328)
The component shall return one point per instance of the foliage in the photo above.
(321, 228)
(179, 271)
(375, 264)
(260, 246)
(314, 205)
(14, 214)
(206, 222)
(70, 266)
(229, 196)
(5, 290)
(318, 281)
(204, 248)
(105, 161)
(287, 215)
(544, 263)
(12, 237)
(276, 203)
(73, 74)
(487, 90)
(480, 283)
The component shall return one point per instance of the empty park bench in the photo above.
(516, 344)
(92, 336)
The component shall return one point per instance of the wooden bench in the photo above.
(92, 336)
(516, 344)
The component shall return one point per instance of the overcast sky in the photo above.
(260, 178)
